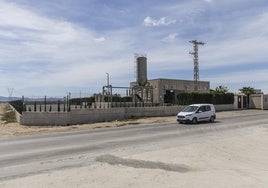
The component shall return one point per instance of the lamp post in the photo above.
(108, 87)
(108, 79)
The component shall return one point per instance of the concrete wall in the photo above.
(240, 101)
(17, 114)
(224, 107)
(256, 101)
(152, 111)
(101, 115)
(265, 102)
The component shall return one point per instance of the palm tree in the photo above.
(221, 89)
(247, 90)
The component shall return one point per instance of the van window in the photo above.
(202, 108)
(208, 108)
(190, 109)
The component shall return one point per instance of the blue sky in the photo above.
(58, 46)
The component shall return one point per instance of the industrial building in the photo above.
(166, 90)
(161, 90)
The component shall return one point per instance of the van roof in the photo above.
(199, 104)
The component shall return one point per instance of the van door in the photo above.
(202, 113)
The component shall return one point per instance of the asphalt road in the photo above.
(28, 155)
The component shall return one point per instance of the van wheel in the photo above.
(194, 121)
(212, 119)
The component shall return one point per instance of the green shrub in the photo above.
(213, 98)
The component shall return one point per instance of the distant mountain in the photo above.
(48, 99)
(6, 99)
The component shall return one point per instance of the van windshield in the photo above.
(190, 109)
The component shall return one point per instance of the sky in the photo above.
(58, 46)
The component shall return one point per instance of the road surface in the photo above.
(30, 155)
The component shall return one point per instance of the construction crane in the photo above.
(196, 63)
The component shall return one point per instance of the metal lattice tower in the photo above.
(10, 92)
(195, 56)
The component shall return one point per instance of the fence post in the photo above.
(45, 103)
(35, 106)
(68, 102)
(58, 105)
(23, 105)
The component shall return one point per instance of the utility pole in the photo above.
(196, 63)
(109, 90)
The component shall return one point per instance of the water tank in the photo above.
(141, 70)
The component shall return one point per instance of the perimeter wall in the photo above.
(84, 116)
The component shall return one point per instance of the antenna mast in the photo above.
(196, 63)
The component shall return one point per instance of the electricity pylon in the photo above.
(196, 61)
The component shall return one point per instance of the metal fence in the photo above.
(72, 101)
(57, 104)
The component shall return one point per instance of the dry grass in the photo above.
(7, 114)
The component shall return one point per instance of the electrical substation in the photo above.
(160, 90)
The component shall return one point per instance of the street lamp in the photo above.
(108, 87)
(108, 79)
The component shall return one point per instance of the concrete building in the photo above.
(166, 90)
(253, 101)
(240, 101)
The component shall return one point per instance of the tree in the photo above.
(221, 89)
(247, 90)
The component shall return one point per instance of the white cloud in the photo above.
(164, 21)
(170, 38)
(257, 79)
(100, 39)
(209, 1)
(48, 52)
(243, 45)
(45, 52)
(241, 76)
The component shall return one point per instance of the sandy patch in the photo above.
(238, 161)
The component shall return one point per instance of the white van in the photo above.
(197, 112)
